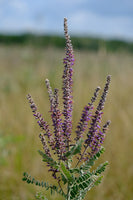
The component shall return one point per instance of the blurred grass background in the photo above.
(23, 70)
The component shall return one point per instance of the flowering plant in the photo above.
(59, 149)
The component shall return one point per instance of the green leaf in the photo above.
(88, 164)
(49, 160)
(25, 174)
(24, 179)
(98, 181)
(75, 170)
(85, 182)
(64, 179)
(44, 184)
(40, 196)
(101, 168)
(81, 185)
(66, 172)
(75, 149)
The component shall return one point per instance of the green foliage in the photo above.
(88, 164)
(64, 179)
(85, 43)
(75, 149)
(40, 196)
(78, 185)
(84, 183)
(81, 185)
(52, 188)
(68, 176)
(101, 168)
(86, 179)
(76, 171)
(49, 160)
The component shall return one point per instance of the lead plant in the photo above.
(59, 149)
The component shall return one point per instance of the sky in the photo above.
(104, 18)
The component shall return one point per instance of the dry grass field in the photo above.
(23, 70)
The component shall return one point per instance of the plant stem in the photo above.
(81, 156)
(61, 188)
(68, 196)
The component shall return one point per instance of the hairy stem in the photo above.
(61, 188)
(81, 156)
(68, 190)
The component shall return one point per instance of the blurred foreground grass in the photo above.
(23, 70)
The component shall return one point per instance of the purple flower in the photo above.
(86, 116)
(57, 121)
(43, 124)
(67, 87)
(94, 134)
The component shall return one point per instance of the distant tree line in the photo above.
(85, 43)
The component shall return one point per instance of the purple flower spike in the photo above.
(82, 125)
(67, 87)
(99, 139)
(43, 125)
(44, 143)
(92, 140)
(86, 116)
(57, 123)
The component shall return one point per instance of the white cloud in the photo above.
(88, 22)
